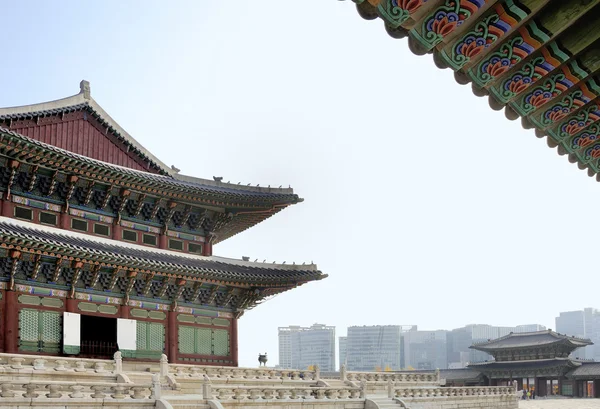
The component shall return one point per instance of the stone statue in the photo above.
(262, 359)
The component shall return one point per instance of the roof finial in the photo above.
(84, 87)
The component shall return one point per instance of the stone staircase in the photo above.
(383, 402)
(187, 401)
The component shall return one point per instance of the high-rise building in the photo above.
(343, 348)
(301, 347)
(583, 324)
(375, 348)
(425, 349)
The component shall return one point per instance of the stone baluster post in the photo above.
(164, 365)
(317, 373)
(207, 389)
(343, 373)
(118, 357)
(363, 389)
(390, 388)
(156, 387)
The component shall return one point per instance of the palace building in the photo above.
(543, 362)
(105, 248)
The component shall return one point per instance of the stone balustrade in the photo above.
(223, 373)
(274, 393)
(37, 362)
(74, 390)
(405, 393)
(401, 377)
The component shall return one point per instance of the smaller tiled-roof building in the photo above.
(539, 361)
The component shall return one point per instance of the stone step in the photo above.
(190, 401)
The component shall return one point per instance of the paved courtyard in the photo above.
(560, 404)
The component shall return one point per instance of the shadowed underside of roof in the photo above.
(539, 60)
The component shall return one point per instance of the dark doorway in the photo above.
(98, 336)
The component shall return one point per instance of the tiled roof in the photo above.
(25, 235)
(586, 370)
(189, 184)
(538, 60)
(529, 339)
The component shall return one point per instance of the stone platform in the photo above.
(73, 383)
(560, 404)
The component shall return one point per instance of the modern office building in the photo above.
(584, 324)
(375, 348)
(343, 345)
(425, 349)
(301, 347)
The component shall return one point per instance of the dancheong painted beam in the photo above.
(539, 60)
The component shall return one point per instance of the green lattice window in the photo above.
(39, 331)
(150, 341)
(203, 341)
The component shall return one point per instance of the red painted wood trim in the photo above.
(172, 336)
(234, 341)
(71, 305)
(11, 322)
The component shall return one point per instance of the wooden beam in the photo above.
(89, 193)
(34, 176)
(213, 295)
(148, 285)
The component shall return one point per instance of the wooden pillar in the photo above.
(71, 305)
(7, 209)
(207, 250)
(234, 341)
(172, 336)
(163, 241)
(116, 232)
(125, 309)
(11, 322)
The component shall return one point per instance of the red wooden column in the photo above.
(172, 336)
(11, 329)
(71, 305)
(234, 341)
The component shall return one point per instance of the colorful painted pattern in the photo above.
(585, 138)
(512, 52)
(445, 19)
(208, 313)
(40, 291)
(91, 216)
(148, 305)
(569, 104)
(140, 227)
(577, 123)
(185, 236)
(99, 298)
(492, 27)
(549, 59)
(568, 76)
(37, 204)
(396, 12)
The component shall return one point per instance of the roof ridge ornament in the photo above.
(84, 88)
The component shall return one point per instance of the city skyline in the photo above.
(479, 334)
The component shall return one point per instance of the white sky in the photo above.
(422, 204)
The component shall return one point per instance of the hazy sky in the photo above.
(422, 204)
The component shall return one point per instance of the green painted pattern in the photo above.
(220, 342)
(203, 341)
(40, 331)
(150, 339)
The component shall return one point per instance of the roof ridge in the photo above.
(84, 98)
(170, 178)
